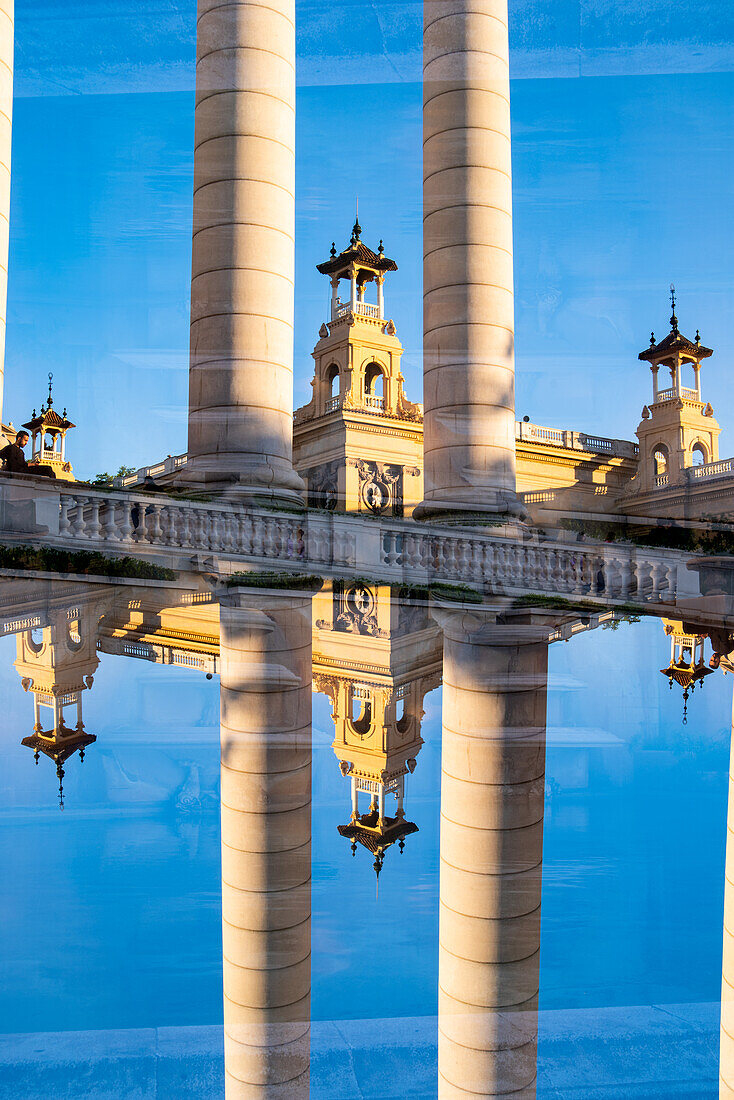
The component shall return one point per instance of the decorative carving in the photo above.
(323, 486)
(380, 487)
(356, 611)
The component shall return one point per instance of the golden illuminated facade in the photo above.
(376, 655)
(358, 444)
(56, 663)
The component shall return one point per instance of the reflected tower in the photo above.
(266, 842)
(57, 663)
(377, 653)
(492, 796)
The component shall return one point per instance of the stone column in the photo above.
(726, 1046)
(266, 843)
(492, 794)
(7, 14)
(468, 319)
(241, 368)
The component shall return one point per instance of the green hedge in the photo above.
(88, 563)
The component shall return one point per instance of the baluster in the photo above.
(660, 580)
(672, 579)
(155, 532)
(230, 532)
(464, 557)
(268, 541)
(126, 526)
(64, 524)
(110, 532)
(258, 534)
(197, 520)
(77, 524)
(439, 555)
(625, 576)
(94, 528)
(424, 551)
(167, 525)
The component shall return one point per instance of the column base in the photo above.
(261, 484)
(505, 508)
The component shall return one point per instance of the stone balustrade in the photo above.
(724, 467)
(574, 441)
(179, 532)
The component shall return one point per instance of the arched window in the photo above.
(698, 455)
(660, 460)
(360, 712)
(374, 382)
(332, 377)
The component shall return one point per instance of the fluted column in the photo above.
(468, 318)
(266, 843)
(241, 368)
(7, 33)
(492, 789)
(726, 1054)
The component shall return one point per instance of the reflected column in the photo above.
(266, 842)
(492, 788)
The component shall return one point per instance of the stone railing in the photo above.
(168, 466)
(363, 309)
(574, 441)
(711, 469)
(221, 537)
(508, 566)
(670, 395)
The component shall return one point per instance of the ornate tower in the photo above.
(376, 656)
(677, 430)
(57, 664)
(358, 444)
(48, 438)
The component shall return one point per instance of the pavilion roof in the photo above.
(356, 253)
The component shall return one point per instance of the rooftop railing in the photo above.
(574, 441)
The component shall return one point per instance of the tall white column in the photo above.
(7, 35)
(380, 297)
(726, 1046)
(468, 319)
(241, 367)
(266, 843)
(492, 793)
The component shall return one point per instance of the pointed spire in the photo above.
(698, 337)
(333, 249)
(652, 339)
(381, 249)
(60, 774)
(673, 318)
(50, 387)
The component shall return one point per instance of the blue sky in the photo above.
(622, 183)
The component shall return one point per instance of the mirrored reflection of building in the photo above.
(56, 646)
(376, 655)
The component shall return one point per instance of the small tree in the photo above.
(102, 479)
(125, 471)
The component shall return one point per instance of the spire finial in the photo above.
(357, 231)
(652, 339)
(50, 387)
(673, 318)
(60, 775)
(698, 337)
(333, 249)
(381, 249)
